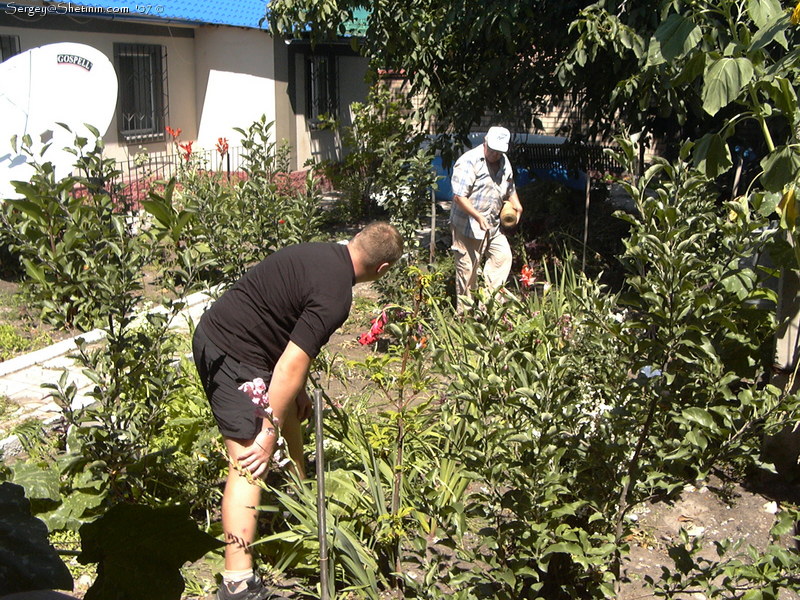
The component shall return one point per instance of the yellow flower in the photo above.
(795, 18)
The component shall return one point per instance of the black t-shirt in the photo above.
(301, 293)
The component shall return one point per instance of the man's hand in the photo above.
(304, 407)
(257, 456)
(483, 223)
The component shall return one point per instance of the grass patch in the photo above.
(6, 406)
(16, 339)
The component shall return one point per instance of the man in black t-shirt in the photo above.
(271, 324)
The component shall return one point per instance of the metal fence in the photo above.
(570, 156)
(164, 166)
(138, 172)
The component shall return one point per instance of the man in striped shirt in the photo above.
(482, 181)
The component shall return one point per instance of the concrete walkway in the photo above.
(21, 378)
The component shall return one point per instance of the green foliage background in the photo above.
(513, 445)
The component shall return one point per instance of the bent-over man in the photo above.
(271, 324)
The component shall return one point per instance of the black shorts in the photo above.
(221, 376)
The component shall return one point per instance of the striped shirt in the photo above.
(471, 179)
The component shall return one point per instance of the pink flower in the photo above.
(375, 331)
(367, 338)
(257, 390)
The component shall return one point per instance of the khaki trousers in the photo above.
(468, 253)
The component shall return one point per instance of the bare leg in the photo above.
(242, 495)
(239, 514)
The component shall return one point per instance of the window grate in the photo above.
(322, 86)
(9, 46)
(143, 104)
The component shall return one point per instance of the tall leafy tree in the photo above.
(465, 58)
(699, 68)
(694, 69)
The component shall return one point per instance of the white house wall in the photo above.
(180, 71)
(352, 86)
(235, 73)
(218, 79)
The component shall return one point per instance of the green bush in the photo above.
(212, 230)
(384, 167)
(82, 260)
(517, 439)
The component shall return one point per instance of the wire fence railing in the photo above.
(137, 173)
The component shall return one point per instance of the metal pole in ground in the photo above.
(321, 525)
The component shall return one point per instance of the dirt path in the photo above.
(715, 511)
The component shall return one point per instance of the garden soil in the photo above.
(716, 509)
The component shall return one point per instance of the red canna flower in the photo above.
(222, 146)
(175, 133)
(527, 278)
(187, 150)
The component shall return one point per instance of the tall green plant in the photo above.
(384, 163)
(82, 260)
(385, 463)
(217, 229)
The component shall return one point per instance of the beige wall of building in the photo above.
(219, 78)
(318, 145)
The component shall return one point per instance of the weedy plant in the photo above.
(81, 257)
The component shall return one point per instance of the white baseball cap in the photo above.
(497, 139)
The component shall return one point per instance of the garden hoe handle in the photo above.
(484, 245)
(321, 525)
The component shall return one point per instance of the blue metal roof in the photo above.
(237, 13)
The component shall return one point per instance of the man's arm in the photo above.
(290, 405)
(465, 204)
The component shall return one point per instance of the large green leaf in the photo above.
(677, 35)
(27, 560)
(69, 513)
(783, 95)
(31, 209)
(780, 168)
(699, 415)
(763, 12)
(136, 546)
(163, 213)
(773, 31)
(39, 483)
(712, 155)
(724, 80)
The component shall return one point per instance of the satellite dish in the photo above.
(65, 83)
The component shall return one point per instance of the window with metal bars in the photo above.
(9, 46)
(142, 106)
(322, 86)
